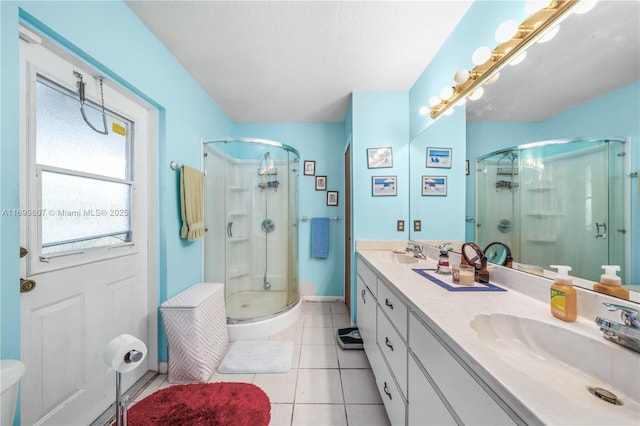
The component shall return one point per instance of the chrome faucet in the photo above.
(626, 333)
(443, 246)
(416, 249)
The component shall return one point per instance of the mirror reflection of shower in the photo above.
(251, 216)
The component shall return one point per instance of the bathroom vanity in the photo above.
(486, 357)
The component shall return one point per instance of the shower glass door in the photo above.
(251, 217)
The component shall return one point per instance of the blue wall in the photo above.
(613, 115)
(324, 143)
(110, 37)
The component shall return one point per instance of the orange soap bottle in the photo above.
(610, 283)
(564, 304)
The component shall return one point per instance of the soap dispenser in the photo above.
(610, 283)
(564, 303)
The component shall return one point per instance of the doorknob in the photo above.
(26, 285)
(23, 252)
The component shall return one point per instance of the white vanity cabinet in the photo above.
(420, 380)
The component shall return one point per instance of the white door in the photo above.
(85, 214)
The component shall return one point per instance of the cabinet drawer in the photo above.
(425, 406)
(393, 308)
(394, 350)
(469, 400)
(368, 276)
(393, 402)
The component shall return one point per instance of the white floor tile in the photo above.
(159, 382)
(339, 308)
(242, 378)
(319, 414)
(317, 320)
(316, 307)
(359, 387)
(341, 320)
(281, 414)
(367, 415)
(293, 334)
(295, 359)
(280, 388)
(352, 358)
(318, 336)
(318, 356)
(317, 386)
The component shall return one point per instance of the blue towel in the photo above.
(320, 237)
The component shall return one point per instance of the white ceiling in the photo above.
(286, 61)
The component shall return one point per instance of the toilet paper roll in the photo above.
(124, 353)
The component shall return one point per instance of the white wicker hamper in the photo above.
(196, 325)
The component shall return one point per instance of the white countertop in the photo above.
(563, 401)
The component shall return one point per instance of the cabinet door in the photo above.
(470, 401)
(425, 406)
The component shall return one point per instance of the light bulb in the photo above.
(549, 34)
(449, 111)
(446, 93)
(434, 100)
(481, 55)
(492, 79)
(518, 59)
(477, 94)
(584, 6)
(461, 102)
(461, 76)
(532, 6)
(424, 111)
(506, 31)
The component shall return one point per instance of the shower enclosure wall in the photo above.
(251, 216)
(555, 202)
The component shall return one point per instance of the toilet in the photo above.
(11, 371)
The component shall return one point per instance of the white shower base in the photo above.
(261, 305)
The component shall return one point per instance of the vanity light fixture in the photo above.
(489, 62)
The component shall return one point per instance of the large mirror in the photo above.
(582, 86)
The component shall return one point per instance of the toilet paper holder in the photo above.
(123, 354)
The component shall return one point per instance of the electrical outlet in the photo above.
(417, 225)
(400, 226)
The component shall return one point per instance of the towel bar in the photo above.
(335, 219)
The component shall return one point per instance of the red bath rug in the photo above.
(200, 404)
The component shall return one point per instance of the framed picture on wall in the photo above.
(378, 158)
(384, 186)
(332, 198)
(439, 157)
(434, 185)
(309, 167)
(321, 183)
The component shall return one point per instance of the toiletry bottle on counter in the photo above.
(443, 263)
(610, 283)
(564, 303)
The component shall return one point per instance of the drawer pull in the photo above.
(363, 298)
(386, 390)
(386, 342)
(389, 304)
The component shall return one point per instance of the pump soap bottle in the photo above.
(610, 283)
(564, 303)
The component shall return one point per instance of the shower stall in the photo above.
(555, 202)
(251, 245)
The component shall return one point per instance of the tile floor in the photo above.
(326, 385)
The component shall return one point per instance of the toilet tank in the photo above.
(11, 371)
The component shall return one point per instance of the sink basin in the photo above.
(399, 258)
(565, 358)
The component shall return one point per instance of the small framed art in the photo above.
(378, 158)
(434, 185)
(332, 198)
(384, 186)
(466, 167)
(321, 183)
(439, 157)
(309, 167)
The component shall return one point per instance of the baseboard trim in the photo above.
(323, 299)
